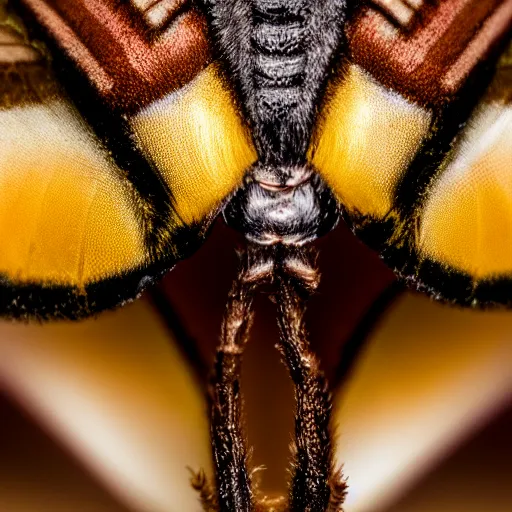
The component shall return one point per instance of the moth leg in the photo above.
(233, 480)
(315, 485)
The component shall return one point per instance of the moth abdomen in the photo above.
(277, 79)
(271, 39)
(282, 71)
(278, 43)
(279, 56)
(280, 11)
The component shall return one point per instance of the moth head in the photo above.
(289, 205)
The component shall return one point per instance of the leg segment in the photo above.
(234, 493)
(315, 486)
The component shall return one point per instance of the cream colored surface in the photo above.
(118, 394)
(366, 140)
(467, 221)
(65, 212)
(12, 47)
(429, 377)
(197, 141)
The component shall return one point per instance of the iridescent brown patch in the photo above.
(500, 89)
(429, 62)
(133, 53)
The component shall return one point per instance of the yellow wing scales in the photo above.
(435, 201)
(198, 143)
(368, 137)
(75, 222)
(467, 219)
(63, 199)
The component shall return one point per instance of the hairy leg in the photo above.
(315, 485)
(233, 479)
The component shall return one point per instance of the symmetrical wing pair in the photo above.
(122, 136)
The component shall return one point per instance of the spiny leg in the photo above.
(315, 485)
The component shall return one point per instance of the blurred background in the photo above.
(106, 415)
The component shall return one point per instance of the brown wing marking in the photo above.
(130, 56)
(429, 62)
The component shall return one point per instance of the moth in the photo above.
(127, 127)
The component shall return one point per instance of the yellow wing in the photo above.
(98, 196)
(417, 146)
